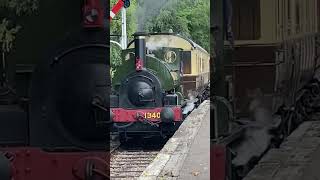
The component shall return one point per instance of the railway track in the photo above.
(130, 164)
(129, 160)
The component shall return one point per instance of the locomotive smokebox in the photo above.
(140, 50)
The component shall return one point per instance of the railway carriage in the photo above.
(195, 59)
(159, 73)
(272, 67)
(276, 34)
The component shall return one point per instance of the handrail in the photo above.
(115, 42)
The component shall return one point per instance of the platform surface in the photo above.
(197, 162)
(298, 157)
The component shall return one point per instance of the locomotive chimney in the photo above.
(140, 50)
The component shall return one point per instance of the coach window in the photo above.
(197, 61)
(290, 22)
(186, 62)
(314, 15)
(201, 63)
(279, 23)
(297, 6)
(317, 15)
(246, 19)
(307, 16)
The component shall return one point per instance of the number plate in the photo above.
(152, 115)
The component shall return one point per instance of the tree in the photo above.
(189, 18)
(116, 60)
(200, 23)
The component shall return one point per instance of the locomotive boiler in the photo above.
(152, 85)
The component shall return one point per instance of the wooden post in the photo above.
(217, 31)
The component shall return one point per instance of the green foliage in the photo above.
(168, 19)
(200, 24)
(8, 28)
(115, 52)
(115, 29)
(189, 18)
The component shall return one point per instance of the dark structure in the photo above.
(54, 97)
(270, 76)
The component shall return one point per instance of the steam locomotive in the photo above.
(162, 75)
(54, 95)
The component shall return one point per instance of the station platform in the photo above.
(187, 154)
(298, 157)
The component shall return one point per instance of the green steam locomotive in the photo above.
(161, 79)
